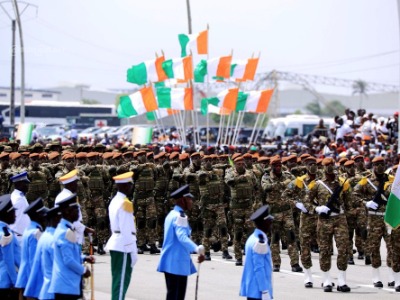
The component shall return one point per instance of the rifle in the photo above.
(379, 197)
(332, 200)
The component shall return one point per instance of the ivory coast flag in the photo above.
(138, 103)
(147, 71)
(217, 68)
(179, 68)
(160, 113)
(226, 99)
(254, 101)
(392, 214)
(242, 70)
(197, 41)
(175, 98)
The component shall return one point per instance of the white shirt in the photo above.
(122, 223)
(22, 220)
(79, 227)
(342, 131)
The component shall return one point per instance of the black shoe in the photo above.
(226, 255)
(378, 284)
(354, 251)
(230, 243)
(328, 289)
(315, 249)
(367, 260)
(322, 284)
(160, 243)
(216, 246)
(277, 268)
(154, 249)
(239, 262)
(343, 288)
(308, 285)
(284, 246)
(100, 249)
(350, 261)
(140, 251)
(207, 256)
(145, 248)
(360, 255)
(397, 289)
(391, 284)
(297, 268)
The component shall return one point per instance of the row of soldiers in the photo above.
(311, 200)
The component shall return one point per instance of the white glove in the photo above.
(301, 206)
(133, 258)
(200, 250)
(371, 204)
(322, 209)
(265, 296)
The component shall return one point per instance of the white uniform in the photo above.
(22, 220)
(79, 227)
(122, 223)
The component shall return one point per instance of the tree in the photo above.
(333, 107)
(314, 108)
(360, 87)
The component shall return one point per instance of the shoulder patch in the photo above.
(182, 220)
(311, 185)
(363, 181)
(345, 183)
(260, 247)
(70, 236)
(127, 205)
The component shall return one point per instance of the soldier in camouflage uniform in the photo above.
(376, 189)
(145, 177)
(212, 207)
(327, 196)
(190, 177)
(355, 211)
(164, 174)
(54, 166)
(98, 185)
(274, 185)
(297, 191)
(248, 161)
(342, 169)
(241, 186)
(5, 173)
(40, 179)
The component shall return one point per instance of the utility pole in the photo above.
(12, 92)
(189, 15)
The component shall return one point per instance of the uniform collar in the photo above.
(178, 208)
(120, 195)
(257, 232)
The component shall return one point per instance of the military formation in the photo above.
(312, 200)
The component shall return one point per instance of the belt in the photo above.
(117, 231)
(376, 213)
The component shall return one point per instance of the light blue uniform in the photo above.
(28, 250)
(39, 280)
(10, 258)
(175, 255)
(257, 271)
(67, 266)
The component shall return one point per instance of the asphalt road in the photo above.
(220, 279)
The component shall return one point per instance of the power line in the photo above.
(367, 69)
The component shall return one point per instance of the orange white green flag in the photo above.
(254, 101)
(180, 69)
(242, 70)
(175, 98)
(148, 71)
(226, 99)
(198, 43)
(137, 103)
(216, 69)
(392, 214)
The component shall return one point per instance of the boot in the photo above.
(160, 244)
(350, 261)
(367, 260)
(284, 245)
(145, 248)
(360, 255)
(216, 246)
(308, 280)
(226, 255)
(207, 256)
(297, 268)
(154, 249)
(239, 262)
(315, 249)
(100, 249)
(397, 281)
(327, 282)
(342, 286)
(376, 278)
(139, 250)
(277, 268)
(391, 278)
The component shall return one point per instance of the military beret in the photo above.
(4, 155)
(343, 160)
(206, 157)
(275, 161)
(43, 155)
(148, 154)
(117, 155)
(225, 156)
(161, 154)
(81, 155)
(53, 155)
(358, 157)
(235, 155)
(378, 159)
(127, 154)
(175, 154)
(310, 159)
(108, 155)
(136, 154)
(349, 163)
(14, 155)
(304, 156)
(68, 155)
(92, 155)
(182, 156)
(319, 161)
(238, 159)
(289, 158)
(247, 155)
(263, 159)
(33, 155)
(327, 161)
(157, 156)
(213, 156)
(194, 154)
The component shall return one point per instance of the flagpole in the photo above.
(254, 129)
(239, 124)
(208, 90)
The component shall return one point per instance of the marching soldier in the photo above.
(327, 194)
(5, 173)
(274, 185)
(40, 179)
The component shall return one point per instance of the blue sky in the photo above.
(94, 42)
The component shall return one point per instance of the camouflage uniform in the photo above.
(40, 180)
(242, 198)
(212, 208)
(146, 212)
(281, 210)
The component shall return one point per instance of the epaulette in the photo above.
(387, 183)
(182, 220)
(345, 183)
(70, 235)
(363, 181)
(127, 205)
(299, 181)
(6, 238)
(311, 185)
(260, 247)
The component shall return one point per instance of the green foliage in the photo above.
(331, 108)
